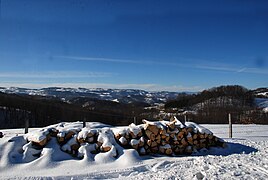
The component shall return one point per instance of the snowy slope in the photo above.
(262, 103)
(244, 158)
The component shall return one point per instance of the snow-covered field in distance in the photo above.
(244, 158)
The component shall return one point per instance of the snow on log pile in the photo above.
(161, 137)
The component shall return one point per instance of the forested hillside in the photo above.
(41, 111)
(214, 105)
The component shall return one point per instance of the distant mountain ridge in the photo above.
(116, 95)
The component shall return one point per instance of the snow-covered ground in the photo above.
(244, 158)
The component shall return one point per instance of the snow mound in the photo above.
(70, 141)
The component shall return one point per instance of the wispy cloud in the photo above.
(255, 70)
(99, 59)
(148, 87)
(185, 63)
(54, 74)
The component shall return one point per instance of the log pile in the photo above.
(161, 137)
(169, 138)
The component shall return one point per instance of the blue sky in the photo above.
(151, 45)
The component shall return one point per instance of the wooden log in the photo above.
(105, 148)
(41, 143)
(81, 141)
(201, 136)
(142, 151)
(184, 130)
(134, 143)
(203, 140)
(180, 135)
(163, 142)
(90, 139)
(190, 141)
(123, 141)
(163, 136)
(53, 132)
(161, 150)
(168, 151)
(179, 150)
(141, 142)
(74, 148)
(69, 135)
(176, 142)
(154, 149)
(99, 144)
(189, 150)
(162, 131)
(172, 135)
(189, 137)
(167, 138)
(153, 128)
(195, 136)
(184, 142)
(158, 137)
(117, 136)
(150, 134)
(158, 141)
(202, 145)
(210, 136)
(171, 125)
(154, 144)
(190, 129)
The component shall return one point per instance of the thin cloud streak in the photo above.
(99, 59)
(205, 65)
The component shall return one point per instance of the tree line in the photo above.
(214, 105)
(43, 111)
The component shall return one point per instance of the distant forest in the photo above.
(43, 111)
(214, 105)
(209, 106)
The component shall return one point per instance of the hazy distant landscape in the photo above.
(120, 106)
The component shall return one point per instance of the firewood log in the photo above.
(153, 128)
(201, 136)
(142, 151)
(188, 150)
(123, 141)
(154, 149)
(168, 151)
(141, 142)
(195, 136)
(167, 138)
(150, 134)
(171, 125)
(162, 131)
(154, 144)
(134, 143)
(184, 142)
(190, 129)
(210, 136)
(105, 148)
(117, 136)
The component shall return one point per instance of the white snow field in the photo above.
(245, 157)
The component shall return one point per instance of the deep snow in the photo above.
(244, 158)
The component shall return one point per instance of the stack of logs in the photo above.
(168, 138)
(161, 137)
